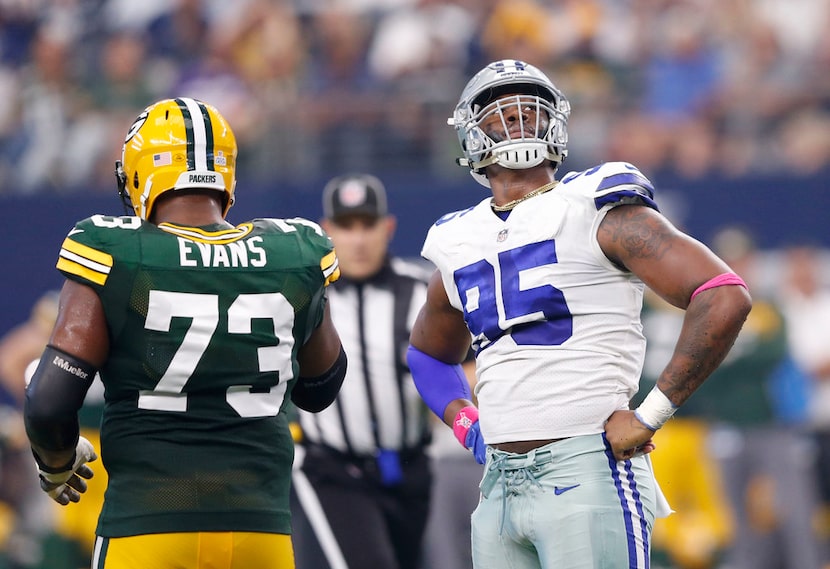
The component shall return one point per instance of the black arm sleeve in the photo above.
(314, 394)
(53, 398)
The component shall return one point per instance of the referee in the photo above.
(362, 485)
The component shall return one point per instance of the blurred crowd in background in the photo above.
(692, 86)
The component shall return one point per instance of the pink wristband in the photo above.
(464, 419)
(720, 280)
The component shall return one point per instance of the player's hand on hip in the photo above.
(628, 436)
(67, 485)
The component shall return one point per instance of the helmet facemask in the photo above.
(121, 181)
(510, 114)
(512, 132)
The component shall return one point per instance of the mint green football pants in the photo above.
(566, 505)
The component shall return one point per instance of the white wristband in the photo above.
(655, 410)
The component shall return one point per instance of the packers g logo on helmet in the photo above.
(176, 144)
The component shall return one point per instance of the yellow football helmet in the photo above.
(176, 144)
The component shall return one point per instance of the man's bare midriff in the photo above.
(522, 447)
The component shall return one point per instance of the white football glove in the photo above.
(68, 485)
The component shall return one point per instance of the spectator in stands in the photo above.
(343, 103)
(773, 495)
(699, 532)
(47, 99)
(180, 34)
(806, 302)
(354, 97)
(25, 513)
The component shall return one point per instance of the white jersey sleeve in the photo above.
(555, 325)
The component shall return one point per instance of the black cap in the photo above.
(354, 194)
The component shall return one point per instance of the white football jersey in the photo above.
(555, 325)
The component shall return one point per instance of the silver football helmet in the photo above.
(517, 131)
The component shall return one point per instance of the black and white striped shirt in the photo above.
(378, 406)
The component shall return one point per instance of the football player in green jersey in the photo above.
(201, 332)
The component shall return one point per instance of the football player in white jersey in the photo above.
(546, 278)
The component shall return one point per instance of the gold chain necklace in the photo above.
(510, 205)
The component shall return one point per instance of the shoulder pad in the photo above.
(615, 183)
(299, 225)
(311, 241)
(85, 252)
(452, 215)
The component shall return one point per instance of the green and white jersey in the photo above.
(204, 326)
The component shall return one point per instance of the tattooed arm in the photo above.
(673, 265)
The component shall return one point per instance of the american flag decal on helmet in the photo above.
(162, 159)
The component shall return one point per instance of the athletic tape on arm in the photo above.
(655, 409)
(720, 280)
